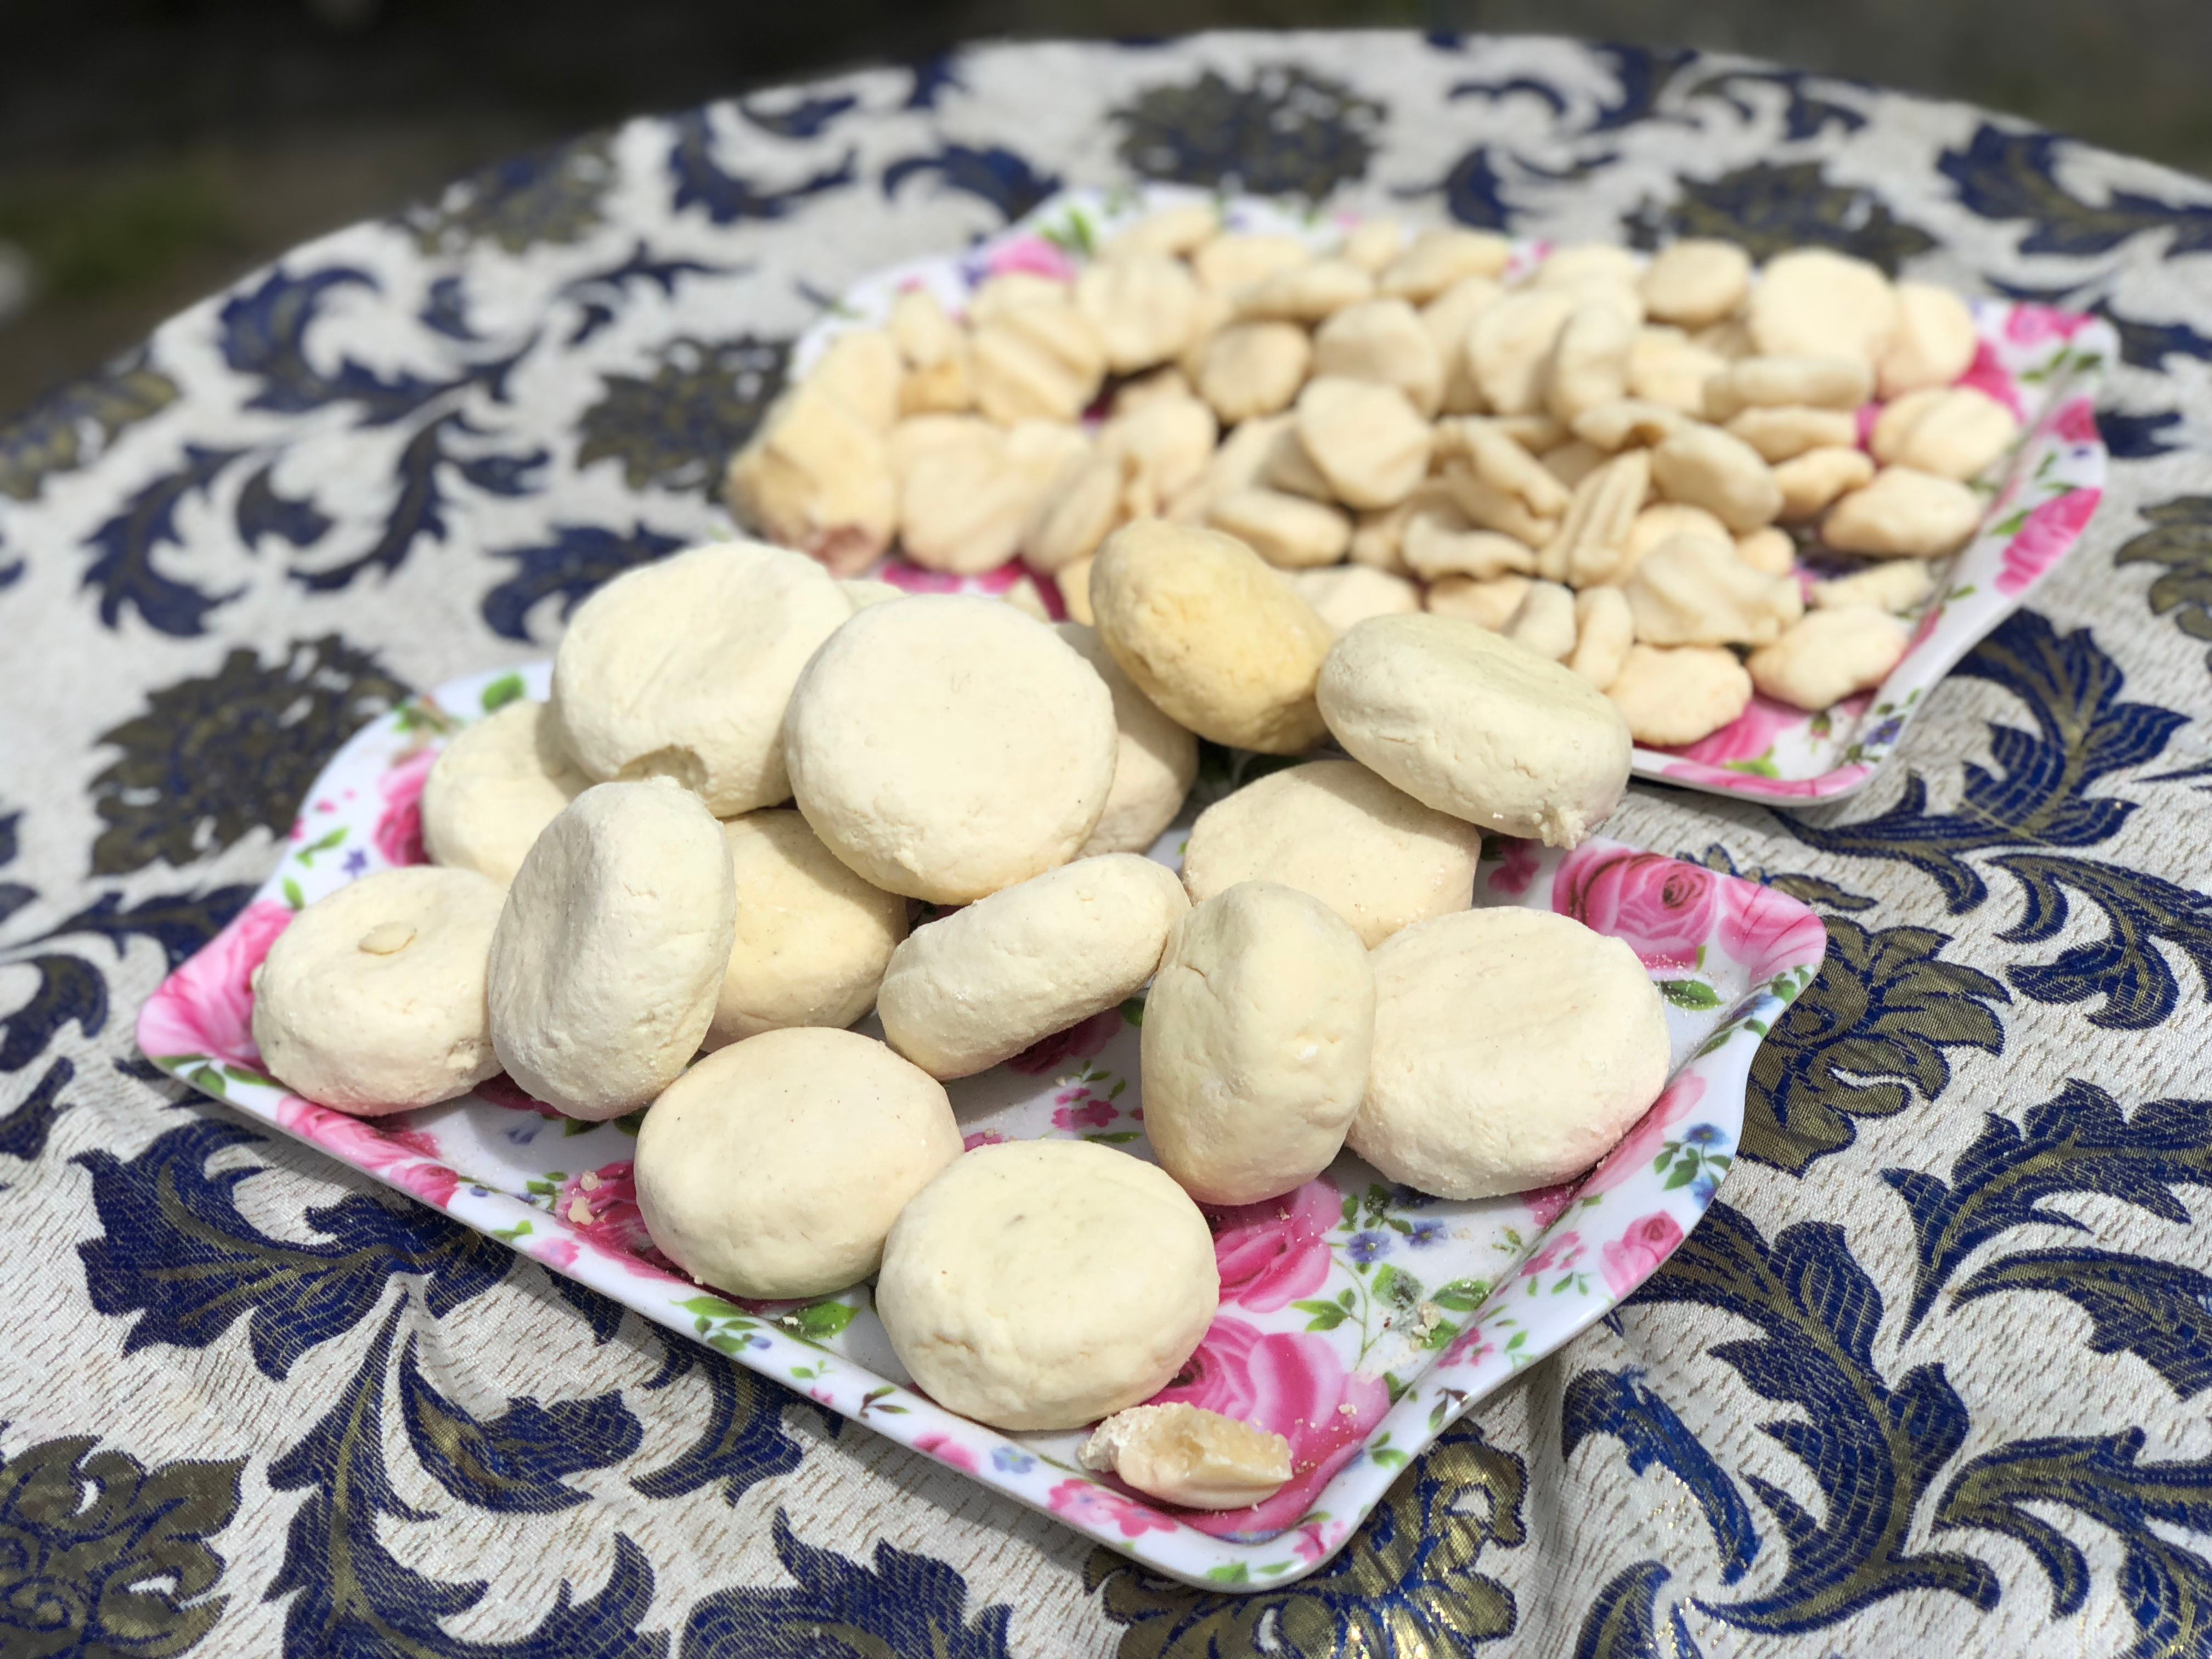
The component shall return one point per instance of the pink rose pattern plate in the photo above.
(2042, 364)
(1356, 1319)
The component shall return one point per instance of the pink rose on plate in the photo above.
(1750, 736)
(1764, 929)
(2043, 538)
(2075, 421)
(1559, 1255)
(968, 1143)
(602, 1205)
(1102, 1508)
(1293, 1383)
(1985, 374)
(1076, 1045)
(1269, 1255)
(206, 1007)
(406, 1158)
(398, 835)
(1641, 1144)
(1034, 254)
(945, 1449)
(1665, 908)
(2032, 324)
(1089, 1114)
(1636, 1255)
(1547, 1204)
(1518, 868)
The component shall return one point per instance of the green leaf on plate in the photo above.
(1233, 1573)
(817, 1321)
(501, 692)
(1693, 993)
(293, 895)
(1327, 1315)
(1462, 1295)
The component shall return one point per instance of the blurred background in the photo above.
(152, 149)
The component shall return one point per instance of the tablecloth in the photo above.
(1928, 1379)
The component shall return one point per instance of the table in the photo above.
(1926, 1380)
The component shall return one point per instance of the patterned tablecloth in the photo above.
(1928, 1379)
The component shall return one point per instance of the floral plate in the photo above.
(1357, 1318)
(2045, 365)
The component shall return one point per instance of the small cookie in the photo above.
(1512, 1048)
(812, 939)
(776, 1167)
(946, 745)
(1370, 853)
(1207, 630)
(1477, 727)
(1155, 760)
(1047, 1284)
(612, 950)
(373, 999)
(495, 787)
(682, 668)
(1256, 1038)
(981, 985)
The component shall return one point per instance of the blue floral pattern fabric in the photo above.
(1929, 1378)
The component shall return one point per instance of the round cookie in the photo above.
(681, 669)
(373, 999)
(496, 785)
(1155, 761)
(1512, 1048)
(775, 1167)
(984, 983)
(1372, 854)
(612, 947)
(812, 939)
(1206, 629)
(1256, 1038)
(946, 745)
(1047, 1284)
(1475, 726)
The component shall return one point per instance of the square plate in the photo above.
(1358, 1319)
(2045, 365)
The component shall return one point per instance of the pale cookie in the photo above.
(1513, 1049)
(982, 984)
(1372, 854)
(612, 950)
(863, 592)
(496, 785)
(1488, 602)
(1509, 347)
(812, 939)
(1256, 1043)
(1155, 760)
(1289, 531)
(1934, 344)
(1144, 308)
(1343, 595)
(1692, 591)
(1307, 292)
(1810, 483)
(1181, 230)
(1604, 629)
(1833, 383)
(1374, 245)
(1439, 259)
(1186, 1454)
(1811, 302)
(1544, 622)
(1904, 513)
(1783, 432)
(1207, 630)
(373, 999)
(1895, 585)
(1953, 432)
(1236, 261)
(1448, 319)
(1367, 440)
(681, 669)
(1673, 696)
(1573, 461)
(1704, 466)
(1695, 281)
(1382, 341)
(776, 1168)
(1830, 655)
(1477, 727)
(1253, 369)
(817, 475)
(1047, 1284)
(1769, 551)
(947, 746)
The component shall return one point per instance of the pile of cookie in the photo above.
(1622, 464)
(619, 884)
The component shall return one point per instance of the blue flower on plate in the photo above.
(1012, 1460)
(1405, 1198)
(1704, 1134)
(357, 861)
(1885, 733)
(1368, 1247)
(1425, 1233)
(1702, 1189)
